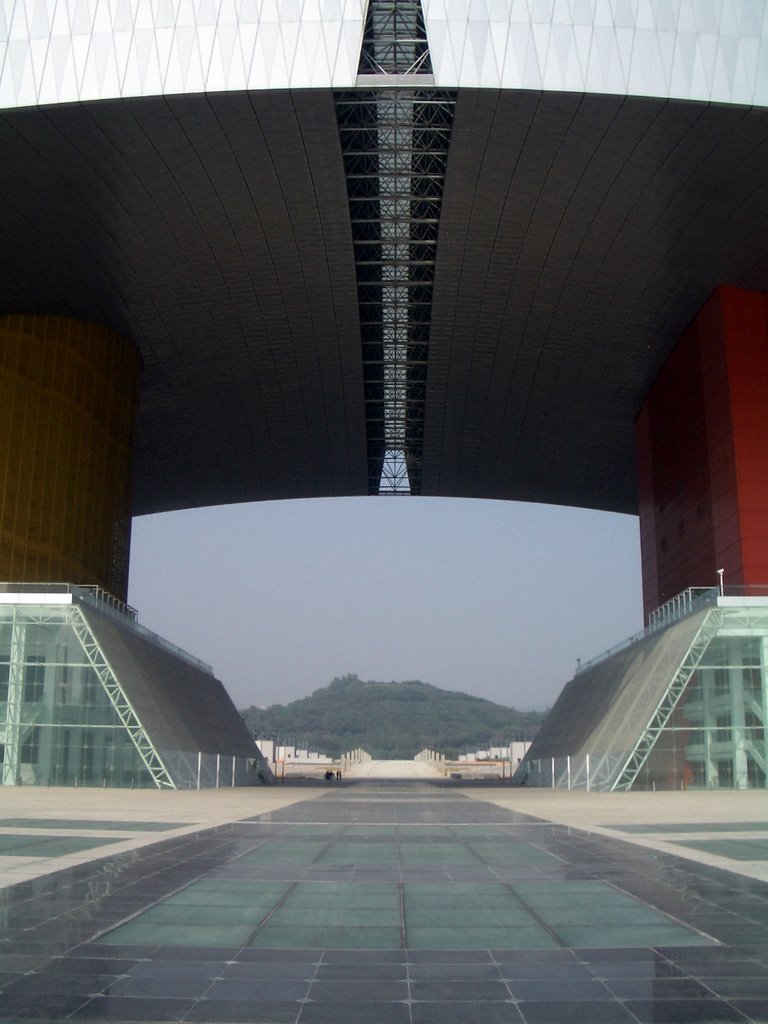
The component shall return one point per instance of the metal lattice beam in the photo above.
(122, 706)
(395, 39)
(395, 146)
(13, 739)
(663, 712)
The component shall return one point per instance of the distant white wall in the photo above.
(277, 752)
(514, 752)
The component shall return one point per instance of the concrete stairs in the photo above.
(393, 770)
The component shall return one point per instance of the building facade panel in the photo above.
(454, 243)
(703, 448)
(214, 233)
(57, 52)
(75, 51)
(68, 393)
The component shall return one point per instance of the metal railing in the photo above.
(591, 772)
(681, 605)
(107, 604)
(687, 602)
(87, 592)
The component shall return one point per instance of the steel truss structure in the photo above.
(710, 626)
(587, 772)
(73, 617)
(13, 738)
(117, 698)
(394, 140)
(684, 710)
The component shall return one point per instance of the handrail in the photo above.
(680, 605)
(683, 604)
(107, 604)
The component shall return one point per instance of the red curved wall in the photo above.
(702, 452)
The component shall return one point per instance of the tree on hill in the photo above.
(391, 720)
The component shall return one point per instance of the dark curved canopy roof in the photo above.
(579, 236)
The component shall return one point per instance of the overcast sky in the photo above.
(495, 598)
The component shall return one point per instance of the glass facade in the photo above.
(716, 736)
(58, 725)
(90, 698)
(680, 708)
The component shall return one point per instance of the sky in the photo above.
(497, 599)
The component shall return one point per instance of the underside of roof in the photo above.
(578, 237)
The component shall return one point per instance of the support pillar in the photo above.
(67, 402)
(702, 450)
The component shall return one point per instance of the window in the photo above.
(723, 731)
(30, 747)
(694, 690)
(34, 678)
(753, 681)
(721, 682)
(754, 727)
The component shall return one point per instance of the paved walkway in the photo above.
(393, 770)
(382, 902)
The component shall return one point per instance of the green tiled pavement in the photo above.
(281, 852)
(98, 825)
(387, 915)
(328, 937)
(216, 893)
(369, 854)
(155, 933)
(443, 853)
(736, 849)
(506, 854)
(472, 937)
(372, 897)
(562, 894)
(297, 916)
(660, 934)
(48, 846)
(180, 913)
(682, 827)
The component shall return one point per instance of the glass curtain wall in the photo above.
(711, 736)
(716, 738)
(57, 724)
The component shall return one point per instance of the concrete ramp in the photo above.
(393, 770)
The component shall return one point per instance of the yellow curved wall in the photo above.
(67, 400)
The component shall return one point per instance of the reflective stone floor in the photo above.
(386, 903)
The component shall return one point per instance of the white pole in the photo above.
(199, 767)
(587, 772)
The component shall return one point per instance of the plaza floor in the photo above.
(383, 902)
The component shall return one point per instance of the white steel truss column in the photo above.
(669, 701)
(13, 742)
(122, 706)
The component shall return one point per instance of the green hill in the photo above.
(391, 720)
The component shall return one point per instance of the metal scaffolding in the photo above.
(394, 140)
